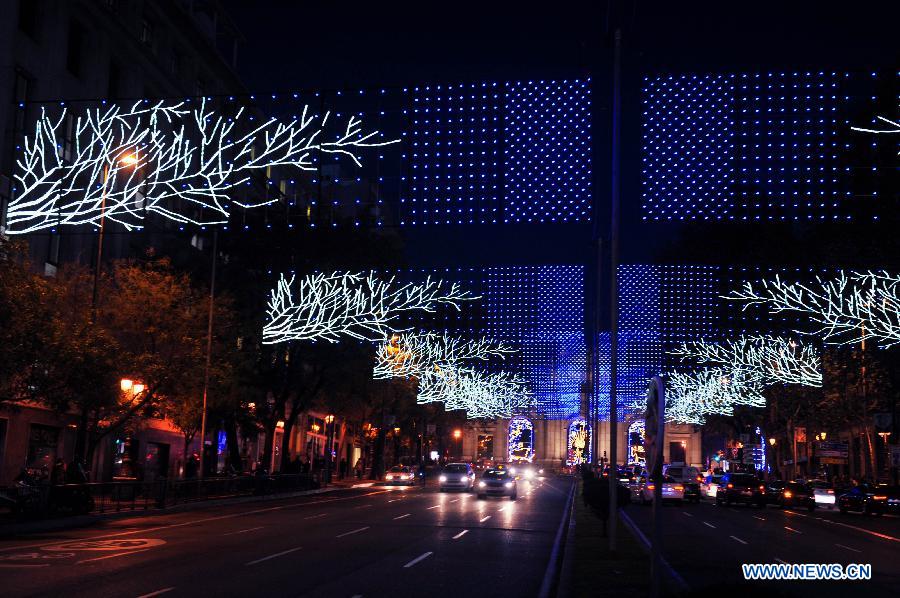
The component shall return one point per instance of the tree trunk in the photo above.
(378, 455)
(231, 439)
(286, 444)
(269, 429)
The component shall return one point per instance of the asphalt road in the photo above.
(362, 542)
(706, 545)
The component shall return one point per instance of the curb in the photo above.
(78, 521)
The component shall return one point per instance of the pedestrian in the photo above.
(358, 468)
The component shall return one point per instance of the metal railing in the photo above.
(43, 500)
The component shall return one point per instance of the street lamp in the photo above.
(457, 435)
(329, 441)
(772, 441)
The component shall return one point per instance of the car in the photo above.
(741, 488)
(400, 474)
(893, 500)
(457, 476)
(525, 471)
(710, 485)
(864, 498)
(497, 482)
(683, 473)
(823, 493)
(643, 491)
(791, 495)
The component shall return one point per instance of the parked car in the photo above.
(864, 498)
(457, 476)
(497, 482)
(643, 490)
(824, 493)
(791, 495)
(400, 474)
(710, 485)
(741, 488)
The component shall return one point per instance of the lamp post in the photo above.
(457, 435)
(329, 441)
(774, 453)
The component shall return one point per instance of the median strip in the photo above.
(418, 559)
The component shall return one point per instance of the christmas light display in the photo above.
(164, 158)
(578, 444)
(768, 359)
(361, 306)
(414, 355)
(758, 146)
(636, 435)
(690, 397)
(846, 309)
(520, 442)
(479, 394)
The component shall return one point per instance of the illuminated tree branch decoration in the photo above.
(499, 394)
(847, 309)
(360, 306)
(414, 355)
(692, 396)
(769, 359)
(163, 158)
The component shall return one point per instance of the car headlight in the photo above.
(529, 474)
(463, 479)
(481, 484)
(443, 478)
(508, 484)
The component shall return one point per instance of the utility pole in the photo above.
(614, 290)
(209, 336)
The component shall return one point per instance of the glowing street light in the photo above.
(125, 384)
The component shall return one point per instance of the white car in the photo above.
(823, 493)
(399, 474)
(457, 476)
(710, 485)
(642, 491)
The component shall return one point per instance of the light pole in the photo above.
(209, 339)
(329, 441)
(457, 435)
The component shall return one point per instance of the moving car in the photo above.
(525, 471)
(643, 491)
(710, 485)
(457, 476)
(741, 488)
(497, 482)
(791, 495)
(864, 498)
(823, 493)
(400, 474)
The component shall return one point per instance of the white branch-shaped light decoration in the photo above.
(690, 397)
(769, 359)
(848, 309)
(164, 158)
(342, 304)
(414, 355)
(481, 395)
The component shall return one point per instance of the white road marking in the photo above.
(736, 539)
(244, 531)
(434, 507)
(455, 500)
(790, 529)
(686, 513)
(709, 525)
(483, 519)
(859, 529)
(394, 500)
(362, 506)
(417, 560)
(780, 561)
(460, 534)
(847, 548)
(111, 556)
(157, 592)
(758, 517)
(315, 516)
(500, 509)
(402, 516)
(273, 556)
(356, 531)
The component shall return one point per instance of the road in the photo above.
(706, 544)
(361, 542)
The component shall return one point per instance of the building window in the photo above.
(75, 49)
(21, 94)
(28, 18)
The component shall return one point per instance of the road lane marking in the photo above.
(758, 517)
(244, 531)
(111, 556)
(859, 529)
(686, 513)
(434, 507)
(199, 521)
(362, 506)
(418, 559)
(157, 592)
(394, 500)
(500, 509)
(736, 539)
(780, 561)
(847, 548)
(273, 556)
(460, 534)
(21, 566)
(790, 529)
(709, 525)
(316, 516)
(402, 516)
(483, 519)
(356, 531)
(455, 500)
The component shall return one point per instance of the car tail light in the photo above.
(788, 494)
(762, 488)
(880, 497)
(831, 492)
(679, 488)
(699, 478)
(730, 486)
(651, 487)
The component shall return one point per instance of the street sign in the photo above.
(800, 434)
(832, 448)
